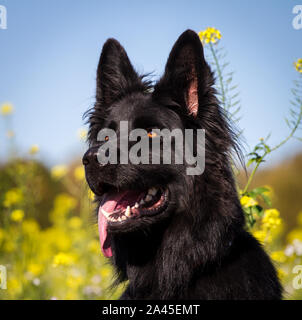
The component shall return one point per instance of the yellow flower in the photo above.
(248, 202)
(65, 202)
(14, 286)
(260, 235)
(30, 226)
(271, 219)
(298, 65)
(210, 35)
(281, 274)
(58, 171)
(105, 272)
(13, 196)
(82, 134)
(294, 234)
(35, 268)
(63, 205)
(17, 215)
(91, 195)
(6, 109)
(75, 222)
(63, 259)
(74, 281)
(278, 256)
(34, 149)
(57, 238)
(79, 173)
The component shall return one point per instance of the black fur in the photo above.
(198, 247)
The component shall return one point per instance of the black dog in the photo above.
(187, 240)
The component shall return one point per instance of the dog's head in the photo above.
(136, 196)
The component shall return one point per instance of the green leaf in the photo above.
(266, 199)
(260, 190)
(257, 210)
(250, 162)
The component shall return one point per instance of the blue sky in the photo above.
(49, 55)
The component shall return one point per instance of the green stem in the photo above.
(292, 132)
(253, 173)
(273, 149)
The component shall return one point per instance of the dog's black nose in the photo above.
(90, 157)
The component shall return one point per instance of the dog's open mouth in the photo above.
(119, 207)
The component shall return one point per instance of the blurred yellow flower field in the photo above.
(50, 247)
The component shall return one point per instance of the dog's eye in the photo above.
(106, 138)
(151, 133)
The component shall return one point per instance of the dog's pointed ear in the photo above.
(187, 75)
(115, 74)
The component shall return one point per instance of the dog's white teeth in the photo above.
(128, 212)
(148, 198)
(152, 191)
(142, 202)
(105, 213)
(124, 218)
(136, 205)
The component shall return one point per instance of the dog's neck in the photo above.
(154, 263)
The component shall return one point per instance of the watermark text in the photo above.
(3, 17)
(3, 275)
(297, 21)
(156, 146)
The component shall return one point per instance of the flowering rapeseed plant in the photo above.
(263, 221)
(271, 219)
(63, 259)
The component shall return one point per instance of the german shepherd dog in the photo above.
(172, 235)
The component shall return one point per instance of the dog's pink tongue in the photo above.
(105, 243)
(109, 204)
